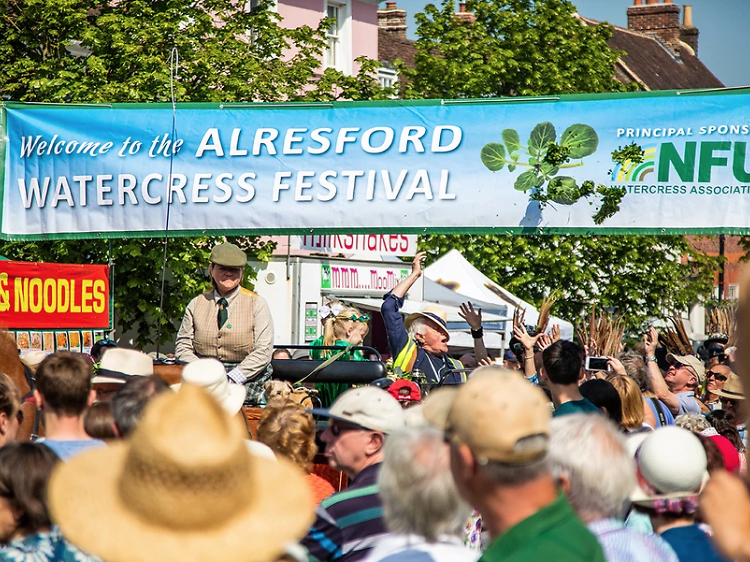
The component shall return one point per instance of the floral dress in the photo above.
(48, 546)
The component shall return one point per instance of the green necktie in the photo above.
(223, 313)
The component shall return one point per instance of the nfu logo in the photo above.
(631, 172)
(690, 162)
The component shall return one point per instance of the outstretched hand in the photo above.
(473, 318)
(651, 339)
(486, 362)
(523, 336)
(616, 366)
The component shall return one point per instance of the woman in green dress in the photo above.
(342, 326)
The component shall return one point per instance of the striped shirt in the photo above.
(622, 544)
(349, 522)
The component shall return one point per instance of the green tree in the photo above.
(227, 52)
(88, 51)
(511, 48)
(639, 277)
(535, 48)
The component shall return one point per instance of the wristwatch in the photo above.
(651, 359)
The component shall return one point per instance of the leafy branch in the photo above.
(545, 157)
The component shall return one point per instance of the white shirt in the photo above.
(413, 548)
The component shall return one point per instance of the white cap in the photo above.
(672, 462)
(211, 375)
(369, 406)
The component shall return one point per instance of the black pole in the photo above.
(721, 271)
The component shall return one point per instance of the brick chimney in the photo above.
(392, 20)
(463, 15)
(688, 32)
(659, 19)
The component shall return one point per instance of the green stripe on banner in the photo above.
(349, 494)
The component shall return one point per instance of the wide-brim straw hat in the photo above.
(435, 314)
(183, 488)
(211, 375)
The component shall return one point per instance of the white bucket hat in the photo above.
(671, 465)
(118, 365)
(211, 375)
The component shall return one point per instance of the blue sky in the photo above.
(723, 45)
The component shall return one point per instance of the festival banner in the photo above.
(393, 167)
(53, 296)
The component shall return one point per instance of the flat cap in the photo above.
(228, 255)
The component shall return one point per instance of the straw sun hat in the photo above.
(183, 488)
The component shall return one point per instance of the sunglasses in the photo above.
(338, 428)
(718, 376)
(363, 318)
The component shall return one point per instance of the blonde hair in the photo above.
(290, 432)
(335, 327)
(632, 400)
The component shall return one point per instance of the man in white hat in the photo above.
(421, 341)
(348, 522)
(732, 397)
(677, 388)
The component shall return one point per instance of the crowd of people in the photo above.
(641, 459)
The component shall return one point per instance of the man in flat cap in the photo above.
(229, 323)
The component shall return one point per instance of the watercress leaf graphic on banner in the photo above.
(582, 140)
(549, 169)
(533, 161)
(493, 156)
(541, 136)
(511, 167)
(512, 142)
(539, 181)
(563, 190)
(526, 181)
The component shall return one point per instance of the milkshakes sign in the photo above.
(386, 167)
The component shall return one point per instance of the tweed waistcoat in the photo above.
(234, 341)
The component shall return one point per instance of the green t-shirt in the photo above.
(583, 406)
(553, 534)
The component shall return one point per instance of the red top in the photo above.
(321, 488)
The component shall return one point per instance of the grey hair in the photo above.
(417, 488)
(506, 474)
(590, 451)
(418, 326)
(692, 422)
(636, 369)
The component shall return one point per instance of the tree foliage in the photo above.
(536, 48)
(639, 277)
(228, 52)
(512, 48)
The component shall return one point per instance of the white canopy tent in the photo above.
(454, 273)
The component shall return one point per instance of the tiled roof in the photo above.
(650, 63)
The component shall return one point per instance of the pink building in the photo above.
(354, 34)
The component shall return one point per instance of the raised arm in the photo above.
(519, 330)
(474, 320)
(402, 288)
(661, 390)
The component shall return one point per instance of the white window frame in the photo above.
(274, 7)
(343, 52)
(388, 78)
